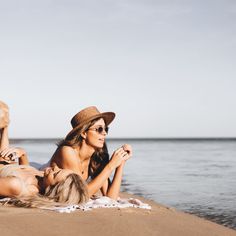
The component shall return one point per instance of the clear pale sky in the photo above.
(166, 68)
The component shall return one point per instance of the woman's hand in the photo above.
(11, 154)
(128, 149)
(118, 157)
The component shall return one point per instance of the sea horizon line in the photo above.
(136, 138)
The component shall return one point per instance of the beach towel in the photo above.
(96, 202)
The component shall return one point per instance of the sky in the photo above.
(166, 68)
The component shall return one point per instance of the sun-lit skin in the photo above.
(4, 116)
(53, 175)
(56, 184)
(76, 153)
(9, 154)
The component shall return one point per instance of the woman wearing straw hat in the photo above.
(8, 155)
(84, 151)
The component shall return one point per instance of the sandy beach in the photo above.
(160, 220)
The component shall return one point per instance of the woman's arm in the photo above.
(4, 140)
(23, 159)
(112, 189)
(10, 154)
(67, 158)
(118, 160)
(4, 122)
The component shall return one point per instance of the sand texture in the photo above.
(160, 220)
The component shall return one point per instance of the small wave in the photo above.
(203, 175)
(220, 166)
(216, 215)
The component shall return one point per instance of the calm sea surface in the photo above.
(196, 176)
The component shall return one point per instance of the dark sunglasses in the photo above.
(100, 129)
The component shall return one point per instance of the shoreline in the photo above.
(160, 220)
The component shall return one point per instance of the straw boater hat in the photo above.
(86, 115)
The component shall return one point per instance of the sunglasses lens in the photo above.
(100, 130)
(107, 129)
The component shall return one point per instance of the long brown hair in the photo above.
(98, 161)
(76, 139)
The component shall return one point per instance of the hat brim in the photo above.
(107, 116)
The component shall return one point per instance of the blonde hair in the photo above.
(72, 190)
(3, 105)
(4, 117)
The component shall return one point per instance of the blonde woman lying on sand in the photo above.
(84, 151)
(8, 155)
(29, 186)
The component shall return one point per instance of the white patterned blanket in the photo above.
(98, 202)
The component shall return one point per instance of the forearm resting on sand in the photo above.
(119, 157)
(114, 189)
(99, 181)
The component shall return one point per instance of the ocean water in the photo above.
(197, 176)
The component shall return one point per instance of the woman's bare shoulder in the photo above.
(66, 158)
(64, 152)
